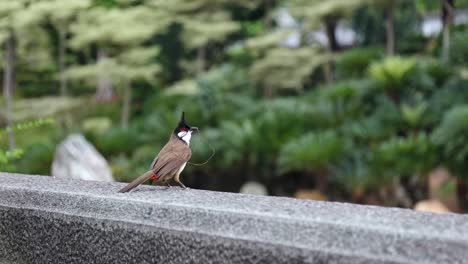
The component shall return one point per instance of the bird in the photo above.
(171, 160)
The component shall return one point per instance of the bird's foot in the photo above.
(167, 185)
(182, 185)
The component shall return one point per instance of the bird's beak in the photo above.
(194, 129)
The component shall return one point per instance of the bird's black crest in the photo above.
(182, 124)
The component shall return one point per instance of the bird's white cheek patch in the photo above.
(185, 136)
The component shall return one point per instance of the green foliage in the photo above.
(315, 10)
(235, 139)
(25, 125)
(439, 72)
(362, 119)
(105, 3)
(201, 29)
(458, 48)
(452, 94)
(37, 158)
(353, 171)
(287, 69)
(311, 151)
(8, 10)
(354, 63)
(391, 71)
(98, 26)
(382, 123)
(11, 160)
(43, 108)
(369, 23)
(97, 125)
(279, 121)
(223, 90)
(7, 157)
(403, 156)
(345, 100)
(116, 141)
(203, 21)
(55, 11)
(451, 135)
(117, 70)
(413, 115)
(225, 78)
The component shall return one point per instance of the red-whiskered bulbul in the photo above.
(171, 160)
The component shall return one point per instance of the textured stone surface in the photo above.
(47, 220)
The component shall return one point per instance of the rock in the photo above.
(310, 195)
(76, 158)
(434, 206)
(443, 187)
(436, 179)
(253, 188)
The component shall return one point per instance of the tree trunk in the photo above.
(104, 92)
(321, 180)
(330, 29)
(400, 194)
(389, 29)
(268, 16)
(268, 91)
(8, 86)
(126, 104)
(328, 72)
(62, 64)
(201, 57)
(268, 22)
(447, 16)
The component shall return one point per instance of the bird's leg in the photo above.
(167, 184)
(181, 184)
(176, 179)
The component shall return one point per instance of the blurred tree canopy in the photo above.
(351, 98)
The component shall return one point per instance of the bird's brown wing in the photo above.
(164, 150)
(171, 158)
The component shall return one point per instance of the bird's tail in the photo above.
(146, 176)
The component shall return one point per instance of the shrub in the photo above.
(403, 156)
(392, 71)
(311, 151)
(37, 158)
(117, 141)
(354, 63)
(458, 48)
(451, 137)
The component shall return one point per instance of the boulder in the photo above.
(443, 187)
(76, 158)
(310, 195)
(253, 188)
(432, 205)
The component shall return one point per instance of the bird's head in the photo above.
(183, 130)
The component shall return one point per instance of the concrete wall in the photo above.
(47, 220)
